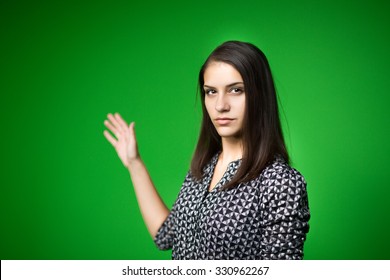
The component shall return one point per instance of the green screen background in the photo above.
(66, 64)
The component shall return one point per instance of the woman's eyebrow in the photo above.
(229, 85)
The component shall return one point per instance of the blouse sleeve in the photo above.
(284, 212)
(165, 234)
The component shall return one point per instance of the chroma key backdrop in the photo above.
(66, 64)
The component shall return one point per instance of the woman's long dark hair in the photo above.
(262, 135)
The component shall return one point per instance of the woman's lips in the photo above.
(223, 121)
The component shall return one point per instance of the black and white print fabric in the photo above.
(266, 218)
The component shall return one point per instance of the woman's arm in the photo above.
(153, 209)
(285, 213)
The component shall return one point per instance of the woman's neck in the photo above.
(231, 150)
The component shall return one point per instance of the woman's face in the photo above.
(224, 98)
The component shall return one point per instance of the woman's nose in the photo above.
(222, 103)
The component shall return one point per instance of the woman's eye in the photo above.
(236, 90)
(210, 91)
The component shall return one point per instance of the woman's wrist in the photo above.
(131, 163)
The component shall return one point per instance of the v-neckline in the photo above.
(214, 162)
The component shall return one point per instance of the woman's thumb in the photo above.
(132, 128)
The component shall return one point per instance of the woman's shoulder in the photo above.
(280, 174)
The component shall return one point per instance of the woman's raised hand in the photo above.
(124, 141)
(152, 207)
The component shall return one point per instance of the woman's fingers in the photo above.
(112, 128)
(122, 137)
(120, 121)
(118, 126)
(110, 138)
(114, 122)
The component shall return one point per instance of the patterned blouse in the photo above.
(265, 218)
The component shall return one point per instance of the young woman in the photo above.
(240, 199)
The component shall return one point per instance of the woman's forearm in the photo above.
(153, 209)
